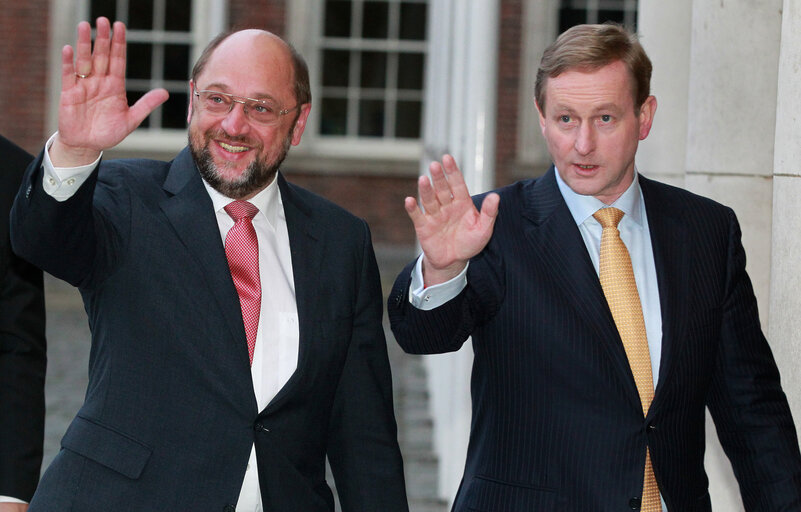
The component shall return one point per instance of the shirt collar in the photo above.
(582, 207)
(267, 200)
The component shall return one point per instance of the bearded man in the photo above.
(236, 318)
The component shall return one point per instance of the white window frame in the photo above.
(305, 18)
(209, 17)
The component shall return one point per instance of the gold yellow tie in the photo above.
(620, 289)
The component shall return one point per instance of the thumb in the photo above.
(146, 105)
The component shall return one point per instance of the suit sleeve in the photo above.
(362, 441)
(22, 352)
(750, 410)
(447, 327)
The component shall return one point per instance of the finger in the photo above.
(440, 183)
(68, 77)
(100, 54)
(455, 179)
(410, 204)
(146, 104)
(428, 199)
(118, 50)
(83, 49)
(489, 209)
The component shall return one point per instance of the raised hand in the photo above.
(449, 227)
(93, 112)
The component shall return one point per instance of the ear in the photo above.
(646, 118)
(191, 102)
(300, 123)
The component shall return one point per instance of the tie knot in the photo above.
(239, 210)
(608, 217)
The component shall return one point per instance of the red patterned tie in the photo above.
(242, 251)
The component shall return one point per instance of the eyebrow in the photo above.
(217, 86)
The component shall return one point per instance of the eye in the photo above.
(564, 118)
(215, 98)
(606, 118)
(262, 108)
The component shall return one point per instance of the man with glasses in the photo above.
(236, 318)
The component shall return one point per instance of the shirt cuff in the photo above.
(9, 499)
(434, 296)
(61, 183)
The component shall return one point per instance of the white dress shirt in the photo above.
(275, 357)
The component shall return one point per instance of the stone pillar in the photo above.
(730, 139)
(785, 301)
(664, 30)
(461, 74)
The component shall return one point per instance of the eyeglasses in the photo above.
(259, 111)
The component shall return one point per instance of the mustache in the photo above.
(220, 134)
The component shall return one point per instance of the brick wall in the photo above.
(23, 71)
(509, 52)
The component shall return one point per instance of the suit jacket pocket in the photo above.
(106, 446)
(485, 494)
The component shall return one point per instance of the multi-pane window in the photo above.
(159, 52)
(575, 12)
(372, 56)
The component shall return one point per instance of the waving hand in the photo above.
(449, 227)
(93, 112)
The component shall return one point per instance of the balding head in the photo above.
(262, 40)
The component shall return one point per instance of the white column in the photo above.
(730, 139)
(461, 76)
(785, 299)
(664, 30)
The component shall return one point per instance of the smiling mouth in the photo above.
(233, 149)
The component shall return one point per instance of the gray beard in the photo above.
(254, 178)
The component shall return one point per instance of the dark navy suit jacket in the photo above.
(170, 414)
(22, 347)
(557, 422)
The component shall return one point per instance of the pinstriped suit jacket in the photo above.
(557, 423)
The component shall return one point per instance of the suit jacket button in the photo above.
(229, 508)
(635, 503)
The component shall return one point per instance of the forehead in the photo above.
(251, 63)
(609, 85)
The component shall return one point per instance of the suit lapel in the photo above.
(671, 259)
(189, 209)
(559, 246)
(307, 257)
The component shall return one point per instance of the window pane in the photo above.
(334, 116)
(140, 15)
(337, 18)
(407, 119)
(107, 8)
(176, 61)
(178, 16)
(336, 68)
(569, 17)
(173, 112)
(139, 60)
(375, 23)
(611, 15)
(374, 70)
(410, 71)
(371, 118)
(413, 21)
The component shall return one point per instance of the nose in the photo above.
(235, 121)
(585, 139)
